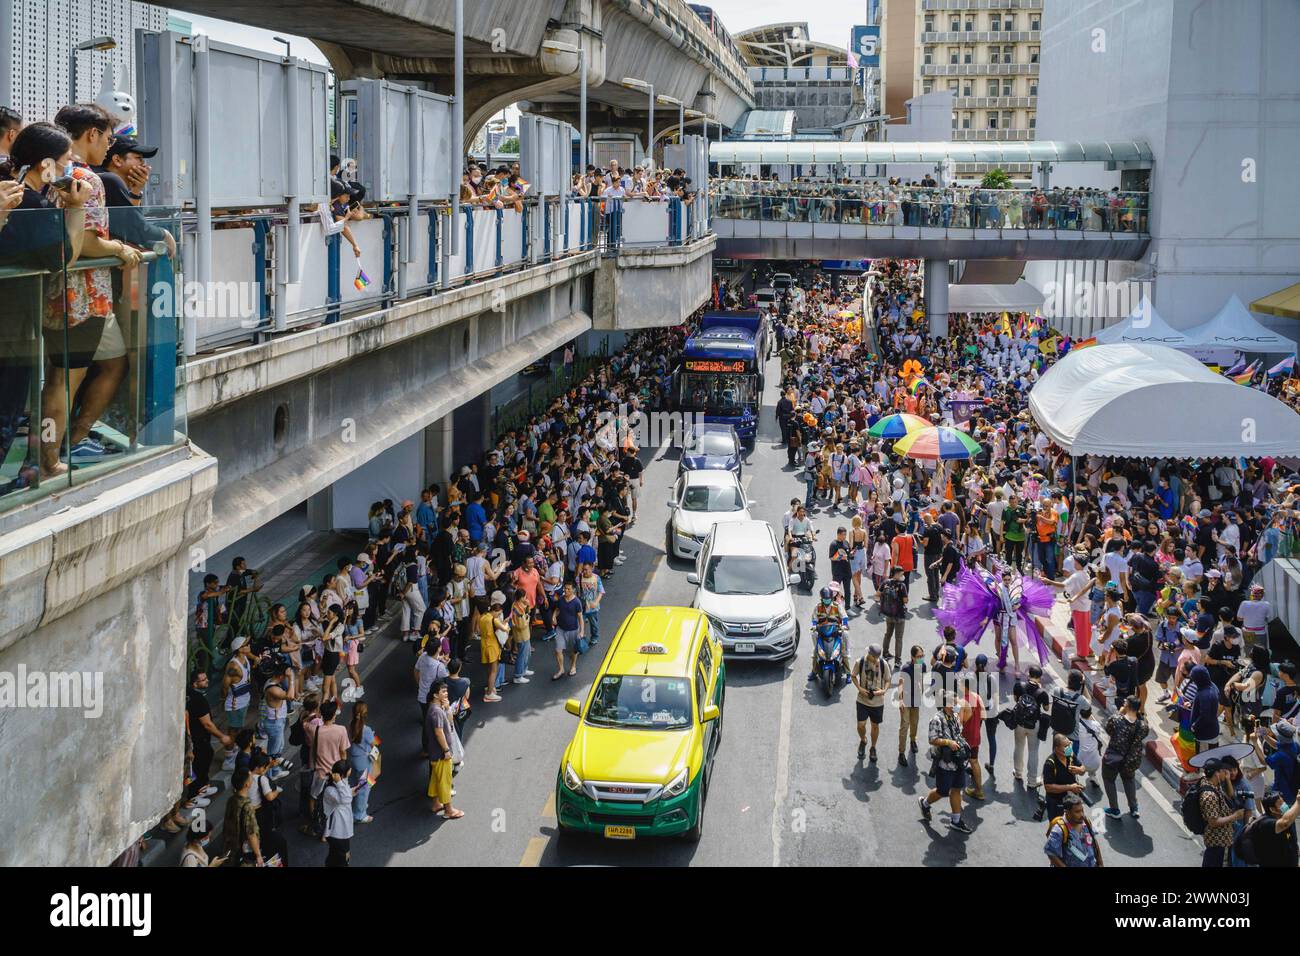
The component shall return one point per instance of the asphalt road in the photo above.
(787, 789)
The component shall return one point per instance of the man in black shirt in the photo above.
(949, 561)
(841, 566)
(1144, 576)
(934, 542)
(202, 730)
(632, 467)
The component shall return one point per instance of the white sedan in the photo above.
(700, 500)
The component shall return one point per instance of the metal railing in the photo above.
(88, 350)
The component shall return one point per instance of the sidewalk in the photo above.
(302, 562)
(1159, 750)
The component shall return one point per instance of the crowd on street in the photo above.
(1156, 559)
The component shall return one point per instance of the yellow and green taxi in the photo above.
(640, 761)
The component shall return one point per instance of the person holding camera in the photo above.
(950, 752)
(1059, 773)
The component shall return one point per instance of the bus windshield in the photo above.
(715, 394)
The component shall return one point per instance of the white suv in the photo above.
(745, 588)
(700, 500)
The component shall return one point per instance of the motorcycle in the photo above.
(830, 668)
(805, 562)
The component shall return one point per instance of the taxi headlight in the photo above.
(571, 779)
(677, 786)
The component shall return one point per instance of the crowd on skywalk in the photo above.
(925, 202)
(1157, 561)
(498, 569)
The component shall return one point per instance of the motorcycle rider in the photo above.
(800, 528)
(830, 611)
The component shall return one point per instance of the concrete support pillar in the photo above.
(320, 510)
(439, 453)
(936, 296)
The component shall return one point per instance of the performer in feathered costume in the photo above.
(1009, 601)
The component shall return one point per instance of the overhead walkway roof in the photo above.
(834, 151)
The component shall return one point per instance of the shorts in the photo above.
(440, 780)
(81, 346)
(111, 345)
(567, 641)
(235, 718)
(329, 663)
(945, 781)
(867, 712)
(482, 603)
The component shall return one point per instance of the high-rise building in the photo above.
(794, 73)
(37, 37)
(985, 52)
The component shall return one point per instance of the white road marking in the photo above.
(782, 762)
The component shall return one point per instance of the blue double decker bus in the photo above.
(720, 378)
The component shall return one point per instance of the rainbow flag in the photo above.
(361, 281)
(1235, 370)
(915, 387)
(1284, 367)
(1091, 340)
(1245, 377)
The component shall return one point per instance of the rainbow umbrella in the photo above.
(938, 442)
(897, 426)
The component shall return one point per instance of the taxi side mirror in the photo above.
(711, 712)
(692, 578)
(573, 706)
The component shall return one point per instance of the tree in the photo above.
(996, 178)
(509, 146)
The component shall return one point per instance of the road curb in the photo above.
(1158, 750)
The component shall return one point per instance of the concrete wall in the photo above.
(99, 589)
(652, 288)
(1210, 86)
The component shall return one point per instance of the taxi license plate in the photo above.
(620, 832)
(744, 648)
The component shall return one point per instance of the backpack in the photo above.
(1193, 818)
(1065, 712)
(1268, 693)
(1243, 847)
(1026, 710)
(1065, 832)
(891, 604)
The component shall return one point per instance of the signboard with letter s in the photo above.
(866, 45)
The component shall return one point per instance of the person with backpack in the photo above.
(871, 676)
(1284, 760)
(1070, 840)
(1090, 744)
(1127, 731)
(893, 608)
(1063, 715)
(950, 753)
(1123, 671)
(1270, 839)
(1060, 771)
(1029, 708)
(1209, 814)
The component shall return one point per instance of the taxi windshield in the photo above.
(641, 701)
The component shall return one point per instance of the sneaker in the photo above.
(529, 673)
(207, 791)
(902, 760)
(960, 826)
(278, 774)
(358, 692)
(872, 755)
(1134, 814)
(925, 808)
(862, 749)
(1163, 698)
(87, 450)
(204, 801)
(520, 680)
(1113, 813)
(491, 698)
(913, 746)
(989, 767)
(973, 793)
(286, 764)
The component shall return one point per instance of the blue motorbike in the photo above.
(830, 665)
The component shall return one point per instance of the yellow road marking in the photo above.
(548, 811)
(533, 852)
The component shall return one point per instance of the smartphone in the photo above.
(22, 174)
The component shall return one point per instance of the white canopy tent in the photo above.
(1144, 326)
(1234, 333)
(1152, 401)
(1020, 296)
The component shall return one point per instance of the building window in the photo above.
(993, 120)
(1033, 120)
(966, 119)
(954, 119)
(970, 24)
(1008, 21)
(1035, 22)
(1008, 54)
(955, 23)
(993, 87)
(967, 56)
(1033, 54)
(1007, 88)
(995, 24)
(952, 85)
(927, 58)
(1033, 87)
(1006, 119)
(929, 24)
(966, 89)
(927, 86)
(995, 55)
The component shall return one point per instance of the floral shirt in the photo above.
(87, 293)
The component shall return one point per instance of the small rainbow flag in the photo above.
(1092, 340)
(915, 387)
(361, 281)
(1245, 377)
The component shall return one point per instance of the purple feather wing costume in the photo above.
(971, 602)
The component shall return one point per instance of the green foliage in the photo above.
(996, 178)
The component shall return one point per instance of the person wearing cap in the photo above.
(871, 676)
(493, 632)
(1070, 838)
(125, 174)
(1284, 758)
(1217, 812)
(237, 690)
